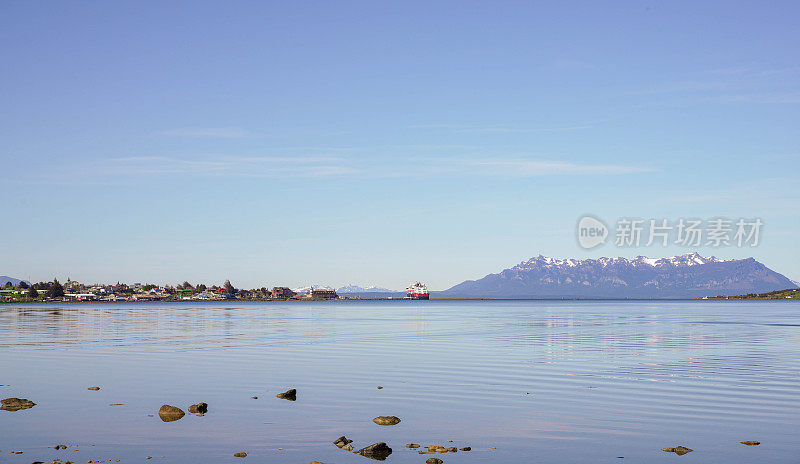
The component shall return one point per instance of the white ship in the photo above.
(417, 291)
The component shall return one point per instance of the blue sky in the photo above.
(379, 143)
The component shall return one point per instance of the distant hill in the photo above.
(5, 279)
(358, 289)
(686, 276)
(789, 294)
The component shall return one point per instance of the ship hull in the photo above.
(418, 296)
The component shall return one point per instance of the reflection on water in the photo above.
(549, 381)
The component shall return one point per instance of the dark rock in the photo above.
(412, 445)
(316, 462)
(466, 448)
(240, 454)
(386, 420)
(93, 388)
(37, 462)
(679, 450)
(380, 388)
(15, 404)
(750, 443)
(452, 449)
(378, 451)
(60, 447)
(254, 397)
(169, 413)
(290, 395)
(344, 443)
(433, 461)
(199, 408)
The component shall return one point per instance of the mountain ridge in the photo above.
(684, 276)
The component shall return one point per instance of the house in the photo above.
(282, 292)
(322, 294)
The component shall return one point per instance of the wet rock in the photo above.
(466, 448)
(378, 451)
(15, 404)
(344, 443)
(169, 413)
(452, 449)
(316, 462)
(433, 461)
(750, 443)
(290, 395)
(412, 445)
(199, 408)
(240, 454)
(93, 388)
(380, 388)
(386, 420)
(37, 462)
(254, 397)
(679, 450)
(60, 447)
(149, 457)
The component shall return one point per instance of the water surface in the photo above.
(540, 381)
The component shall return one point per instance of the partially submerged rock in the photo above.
(378, 451)
(93, 388)
(750, 443)
(386, 420)
(290, 395)
(466, 448)
(199, 408)
(412, 445)
(240, 454)
(344, 443)
(60, 447)
(169, 413)
(15, 404)
(433, 461)
(679, 450)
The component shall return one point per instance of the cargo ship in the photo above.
(417, 291)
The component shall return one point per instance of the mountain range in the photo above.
(6, 279)
(685, 276)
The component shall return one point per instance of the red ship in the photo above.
(417, 291)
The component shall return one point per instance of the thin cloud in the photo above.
(207, 132)
(533, 167)
(498, 128)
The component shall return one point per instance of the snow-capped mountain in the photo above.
(359, 289)
(685, 276)
(304, 290)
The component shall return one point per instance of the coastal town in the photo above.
(24, 292)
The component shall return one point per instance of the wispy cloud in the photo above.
(534, 167)
(499, 128)
(230, 166)
(207, 132)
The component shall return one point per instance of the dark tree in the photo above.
(55, 290)
(23, 285)
(186, 285)
(32, 293)
(9, 285)
(229, 288)
(200, 287)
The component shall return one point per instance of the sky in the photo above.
(380, 143)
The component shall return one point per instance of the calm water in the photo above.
(541, 381)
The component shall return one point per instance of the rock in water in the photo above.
(199, 408)
(750, 443)
(433, 461)
(378, 451)
(344, 443)
(169, 413)
(15, 404)
(386, 420)
(240, 454)
(290, 395)
(412, 445)
(93, 388)
(316, 462)
(679, 450)
(466, 448)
